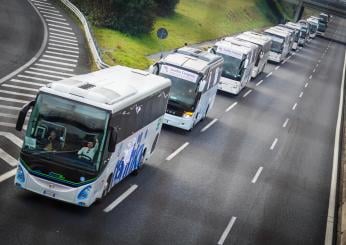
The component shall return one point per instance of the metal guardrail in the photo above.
(91, 42)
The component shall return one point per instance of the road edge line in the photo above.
(329, 234)
(37, 55)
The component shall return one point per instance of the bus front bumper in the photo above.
(178, 122)
(51, 189)
(275, 57)
(229, 85)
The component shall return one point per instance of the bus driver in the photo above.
(89, 151)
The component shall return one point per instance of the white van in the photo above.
(264, 42)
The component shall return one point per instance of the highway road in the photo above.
(256, 171)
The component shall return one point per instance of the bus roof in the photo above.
(193, 59)
(260, 39)
(242, 42)
(111, 89)
(236, 49)
(257, 36)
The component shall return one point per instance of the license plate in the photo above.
(49, 193)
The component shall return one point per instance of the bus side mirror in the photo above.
(22, 115)
(154, 69)
(112, 140)
(202, 85)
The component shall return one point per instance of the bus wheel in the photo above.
(108, 186)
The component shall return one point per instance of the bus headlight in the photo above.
(20, 174)
(187, 114)
(83, 194)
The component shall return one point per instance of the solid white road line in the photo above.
(54, 67)
(54, 18)
(29, 83)
(255, 178)
(301, 94)
(285, 123)
(209, 125)
(16, 93)
(247, 93)
(231, 107)
(11, 137)
(68, 37)
(58, 22)
(8, 115)
(57, 30)
(6, 124)
(13, 100)
(120, 199)
(294, 106)
(36, 78)
(176, 152)
(64, 50)
(63, 46)
(227, 231)
(59, 58)
(63, 39)
(61, 27)
(19, 87)
(8, 158)
(47, 10)
(63, 42)
(333, 185)
(7, 107)
(274, 144)
(276, 68)
(62, 54)
(306, 85)
(54, 72)
(43, 74)
(268, 75)
(8, 175)
(57, 63)
(259, 83)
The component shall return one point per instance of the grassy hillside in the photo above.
(194, 21)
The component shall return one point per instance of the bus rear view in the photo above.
(88, 132)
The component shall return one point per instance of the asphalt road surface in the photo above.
(259, 174)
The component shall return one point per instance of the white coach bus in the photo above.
(237, 66)
(86, 133)
(264, 42)
(195, 75)
(280, 44)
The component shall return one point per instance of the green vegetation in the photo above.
(193, 21)
(286, 9)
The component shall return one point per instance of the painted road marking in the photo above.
(16, 93)
(69, 37)
(13, 100)
(276, 68)
(54, 67)
(314, 70)
(274, 144)
(120, 199)
(59, 26)
(209, 125)
(65, 32)
(255, 178)
(285, 123)
(8, 158)
(11, 137)
(58, 22)
(62, 54)
(247, 93)
(58, 63)
(54, 72)
(55, 36)
(306, 85)
(43, 74)
(294, 106)
(52, 17)
(29, 83)
(36, 78)
(63, 42)
(63, 50)
(310, 77)
(8, 175)
(177, 151)
(259, 83)
(19, 87)
(63, 46)
(268, 75)
(231, 106)
(227, 231)
(301, 94)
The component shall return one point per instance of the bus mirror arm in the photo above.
(22, 115)
(112, 140)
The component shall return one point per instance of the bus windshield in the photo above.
(184, 88)
(277, 44)
(66, 132)
(233, 67)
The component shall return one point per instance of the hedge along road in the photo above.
(21, 34)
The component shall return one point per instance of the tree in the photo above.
(134, 17)
(165, 7)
